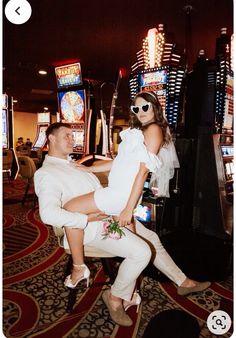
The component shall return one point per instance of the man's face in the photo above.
(62, 141)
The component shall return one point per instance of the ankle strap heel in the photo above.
(68, 281)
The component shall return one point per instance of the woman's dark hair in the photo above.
(54, 127)
(158, 114)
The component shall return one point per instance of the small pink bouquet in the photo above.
(111, 229)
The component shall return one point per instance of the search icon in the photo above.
(218, 322)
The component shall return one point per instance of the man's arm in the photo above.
(51, 209)
(102, 166)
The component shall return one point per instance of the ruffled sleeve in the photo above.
(133, 140)
(152, 161)
(162, 166)
(160, 178)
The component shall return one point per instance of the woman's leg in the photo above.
(75, 239)
(86, 205)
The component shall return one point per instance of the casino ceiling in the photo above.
(104, 36)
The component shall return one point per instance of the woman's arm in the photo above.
(153, 138)
(136, 191)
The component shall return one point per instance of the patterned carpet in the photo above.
(34, 298)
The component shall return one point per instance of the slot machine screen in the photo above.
(227, 151)
(4, 129)
(143, 213)
(4, 101)
(155, 78)
(44, 117)
(78, 136)
(41, 137)
(72, 106)
(69, 75)
(155, 81)
(229, 104)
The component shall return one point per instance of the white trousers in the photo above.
(137, 250)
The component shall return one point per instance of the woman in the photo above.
(147, 136)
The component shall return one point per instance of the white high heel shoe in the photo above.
(86, 275)
(135, 301)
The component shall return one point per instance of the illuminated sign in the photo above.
(44, 117)
(153, 78)
(229, 104)
(69, 75)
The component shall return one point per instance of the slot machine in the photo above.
(43, 121)
(209, 113)
(158, 69)
(10, 165)
(74, 105)
(5, 122)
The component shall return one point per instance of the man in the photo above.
(58, 181)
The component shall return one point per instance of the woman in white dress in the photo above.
(146, 147)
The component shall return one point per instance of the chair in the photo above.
(89, 251)
(27, 170)
(37, 156)
(23, 150)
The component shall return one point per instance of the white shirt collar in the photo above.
(54, 159)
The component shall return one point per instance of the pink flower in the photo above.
(111, 229)
(114, 235)
(106, 227)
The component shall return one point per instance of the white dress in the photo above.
(131, 152)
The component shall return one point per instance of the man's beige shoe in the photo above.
(118, 316)
(200, 286)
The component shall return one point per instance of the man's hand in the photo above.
(80, 166)
(96, 216)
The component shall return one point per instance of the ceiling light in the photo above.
(45, 108)
(42, 72)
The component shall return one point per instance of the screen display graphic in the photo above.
(72, 106)
(69, 75)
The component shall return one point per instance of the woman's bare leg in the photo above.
(75, 239)
(84, 204)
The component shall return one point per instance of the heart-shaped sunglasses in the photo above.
(144, 108)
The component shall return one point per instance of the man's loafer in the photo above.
(200, 286)
(118, 316)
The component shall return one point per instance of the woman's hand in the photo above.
(125, 217)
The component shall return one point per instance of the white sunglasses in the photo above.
(144, 108)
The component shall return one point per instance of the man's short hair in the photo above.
(54, 127)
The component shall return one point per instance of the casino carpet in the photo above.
(34, 298)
